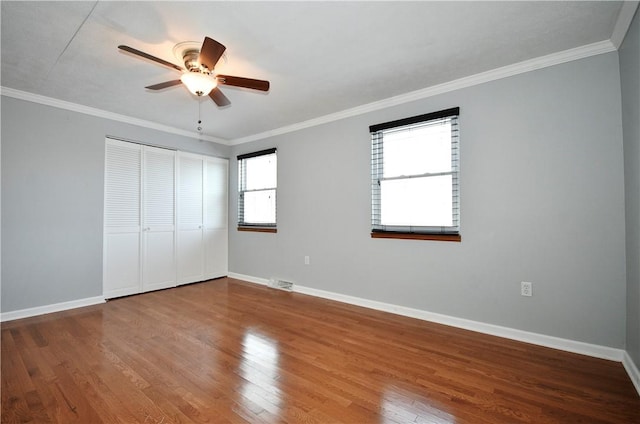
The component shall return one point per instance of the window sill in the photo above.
(416, 236)
(259, 229)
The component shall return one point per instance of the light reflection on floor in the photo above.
(259, 371)
(401, 406)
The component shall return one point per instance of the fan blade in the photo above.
(165, 84)
(153, 58)
(243, 82)
(217, 96)
(210, 52)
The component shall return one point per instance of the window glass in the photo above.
(260, 207)
(261, 172)
(418, 151)
(417, 202)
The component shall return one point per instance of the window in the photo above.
(414, 177)
(257, 182)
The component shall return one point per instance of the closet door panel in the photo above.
(190, 256)
(215, 193)
(216, 251)
(190, 214)
(121, 245)
(122, 274)
(158, 269)
(215, 222)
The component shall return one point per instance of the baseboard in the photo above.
(632, 370)
(597, 351)
(250, 279)
(47, 309)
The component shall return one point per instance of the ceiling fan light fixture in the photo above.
(198, 73)
(198, 83)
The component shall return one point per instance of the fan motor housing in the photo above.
(190, 58)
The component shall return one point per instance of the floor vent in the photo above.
(280, 284)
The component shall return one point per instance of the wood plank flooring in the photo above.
(226, 351)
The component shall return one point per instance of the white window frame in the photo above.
(435, 232)
(244, 225)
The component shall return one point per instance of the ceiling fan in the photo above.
(198, 74)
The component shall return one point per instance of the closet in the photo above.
(165, 218)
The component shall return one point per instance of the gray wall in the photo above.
(542, 195)
(52, 199)
(630, 82)
(542, 201)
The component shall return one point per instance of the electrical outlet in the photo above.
(306, 260)
(526, 288)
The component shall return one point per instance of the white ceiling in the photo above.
(320, 57)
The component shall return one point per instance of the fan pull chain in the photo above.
(199, 119)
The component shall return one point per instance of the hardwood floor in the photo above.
(226, 351)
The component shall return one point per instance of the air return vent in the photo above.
(280, 284)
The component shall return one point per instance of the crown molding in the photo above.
(625, 17)
(624, 20)
(74, 107)
(481, 78)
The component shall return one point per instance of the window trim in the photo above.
(414, 232)
(257, 229)
(415, 236)
(247, 226)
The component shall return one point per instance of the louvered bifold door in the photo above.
(216, 218)
(122, 243)
(158, 219)
(190, 213)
